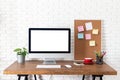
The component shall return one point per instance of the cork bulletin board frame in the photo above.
(84, 47)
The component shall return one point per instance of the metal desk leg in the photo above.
(35, 77)
(26, 77)
(19, 76)
(101, 78)
(94, 76)
(83, 77)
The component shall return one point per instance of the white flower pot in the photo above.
(20, 58)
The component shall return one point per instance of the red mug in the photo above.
(88, 60)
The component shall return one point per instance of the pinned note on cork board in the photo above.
(90, 41)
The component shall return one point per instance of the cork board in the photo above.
(85, 46)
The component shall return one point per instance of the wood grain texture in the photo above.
(29, 67)
(82, 49)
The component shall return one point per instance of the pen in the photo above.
(103, 53)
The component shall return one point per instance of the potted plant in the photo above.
(21, 53)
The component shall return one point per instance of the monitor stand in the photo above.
(49, 61)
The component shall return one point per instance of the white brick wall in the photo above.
(16, 16)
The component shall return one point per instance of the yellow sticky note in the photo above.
(92, 43)
(95, 31)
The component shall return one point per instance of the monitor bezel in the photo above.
(62, 29)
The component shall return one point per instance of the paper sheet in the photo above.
(92, 43)
(95, 31)
(80, 28)
(87, 36)
(80, 35)
(89, 26)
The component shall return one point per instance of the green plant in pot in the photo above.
(21, 53)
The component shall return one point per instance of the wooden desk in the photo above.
(30, 68)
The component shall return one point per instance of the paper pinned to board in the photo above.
(87, 36)
(80, 28)
(89, 26)
(92, 43)
(80, 35)
(95, 31)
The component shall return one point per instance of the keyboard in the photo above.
(48, 66)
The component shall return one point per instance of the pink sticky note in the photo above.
(80, 28)
(87, 36)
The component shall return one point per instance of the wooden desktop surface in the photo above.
(29, 67)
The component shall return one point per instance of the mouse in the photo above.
(68, 66)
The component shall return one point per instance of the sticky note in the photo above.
(95, 31)
(89, 26)
(80, 35)
(92, 43)
(80, 28)
(87, 36)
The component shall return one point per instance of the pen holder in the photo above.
(99, 60)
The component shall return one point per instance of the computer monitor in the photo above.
(49, 42)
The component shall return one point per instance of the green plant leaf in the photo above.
(21, 51)
(17, 50)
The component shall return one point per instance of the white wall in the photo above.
(16, 16)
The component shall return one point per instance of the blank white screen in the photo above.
(49, 40)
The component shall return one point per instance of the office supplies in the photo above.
(80, 28)
(88, 26)
(80, 35)
(87, 36)
(48, 66)
(82, 48)
(95, 31)
(68, 66)
(99, 56)
(78, 63)
(92, 43)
